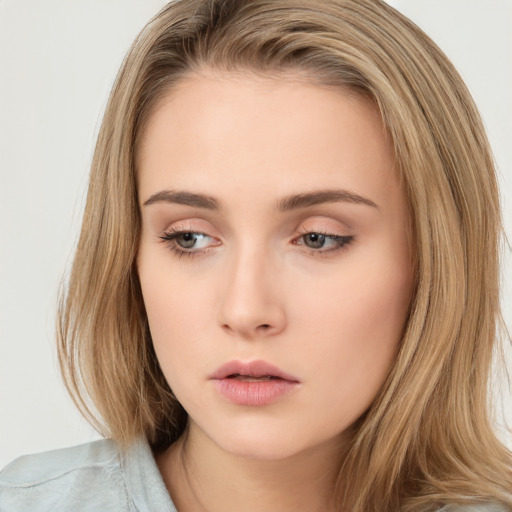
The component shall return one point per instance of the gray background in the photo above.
(58, 59)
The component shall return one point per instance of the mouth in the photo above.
(252, 371)
(252, 378)
(252, 384)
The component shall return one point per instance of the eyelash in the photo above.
(340, 242)
(169, 239)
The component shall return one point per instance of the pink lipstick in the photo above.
(254, 383)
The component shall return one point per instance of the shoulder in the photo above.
(90, 477)
(63, 479)
(33, 470)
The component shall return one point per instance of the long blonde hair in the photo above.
(427, 439)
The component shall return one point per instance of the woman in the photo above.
(285, 294)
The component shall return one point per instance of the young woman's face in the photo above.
(274, 261)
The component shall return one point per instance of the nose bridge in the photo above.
(250, 304)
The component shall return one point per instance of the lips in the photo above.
(255, 383)
(256, 369)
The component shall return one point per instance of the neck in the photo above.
(200, 476)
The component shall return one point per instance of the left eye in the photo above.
(323, 240)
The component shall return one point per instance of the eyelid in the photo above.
(192, 225)
(322, 223)
(324, 228)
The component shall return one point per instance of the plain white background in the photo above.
(58, 59)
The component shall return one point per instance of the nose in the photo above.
(251, 299)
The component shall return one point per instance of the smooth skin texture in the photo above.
(259, 281)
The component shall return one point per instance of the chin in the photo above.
(261, 449)
(266, 442)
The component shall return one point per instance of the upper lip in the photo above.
(253, 369)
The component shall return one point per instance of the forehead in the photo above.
(250, 133)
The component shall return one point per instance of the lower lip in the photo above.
(254, 393)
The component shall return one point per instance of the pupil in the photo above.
(317, 240)
(188, 240)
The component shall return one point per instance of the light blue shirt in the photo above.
(94, 477)
(98, 477)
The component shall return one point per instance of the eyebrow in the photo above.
(187, 198)
(293, 202)
(305, 200)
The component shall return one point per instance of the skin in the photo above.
(257, 286)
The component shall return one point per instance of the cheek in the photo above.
(173, 306)
(175, 323)
(358, 320)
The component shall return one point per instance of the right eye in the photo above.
(188, 243)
